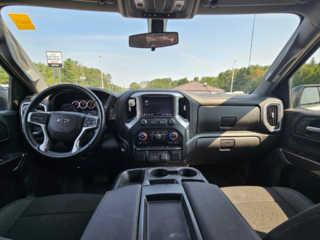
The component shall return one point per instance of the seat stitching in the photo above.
(18, 218)
(94, 217)
(276, 233)
(307, 200)
(44, 214)
(287, 201)
(258, 202)
(12, 203)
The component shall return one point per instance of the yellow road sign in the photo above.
(22, 21)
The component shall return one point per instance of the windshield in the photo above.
(221, 53)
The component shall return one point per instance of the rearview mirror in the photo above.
(154, 40)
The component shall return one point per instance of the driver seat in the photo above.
(57, 217)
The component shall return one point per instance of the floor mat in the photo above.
(222, 175)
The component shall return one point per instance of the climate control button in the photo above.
(173, 136)
(142, 136)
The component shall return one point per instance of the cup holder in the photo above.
(185, 172)
(159, 172)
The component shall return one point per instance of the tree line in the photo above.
(309, 73)
(74, 72)
(245, 79)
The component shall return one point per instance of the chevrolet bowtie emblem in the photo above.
(63, 120)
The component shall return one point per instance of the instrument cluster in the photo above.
(86, 107)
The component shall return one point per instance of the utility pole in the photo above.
(101, 73)
(232, 75)
(254, 21)
(82, 76)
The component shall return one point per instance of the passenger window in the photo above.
(306, 84)
(4, 89)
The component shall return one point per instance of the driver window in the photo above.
(4, 89)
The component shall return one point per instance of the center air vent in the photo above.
(273, 116)
(184, 108)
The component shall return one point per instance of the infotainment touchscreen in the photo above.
(157, 106)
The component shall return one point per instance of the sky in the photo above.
(207, 45)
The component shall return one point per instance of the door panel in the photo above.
(297, 138)
(301, 152)
(11, 158)
(9, 131)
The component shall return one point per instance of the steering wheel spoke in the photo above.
(89, 123)
(41, 119)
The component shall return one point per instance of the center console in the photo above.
(158, 134)
(166, 203)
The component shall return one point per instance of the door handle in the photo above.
(313, 129)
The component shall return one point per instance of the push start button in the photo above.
(227, 143)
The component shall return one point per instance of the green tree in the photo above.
(134, 86)
(4, 77)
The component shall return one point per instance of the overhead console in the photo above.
(161, 9)
(157, 131)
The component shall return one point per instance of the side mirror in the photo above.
(154, 40)
(306, 97)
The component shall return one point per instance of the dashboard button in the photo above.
(163, 122)
(153, 122)
(154, 156)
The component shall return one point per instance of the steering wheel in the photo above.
(67, 127)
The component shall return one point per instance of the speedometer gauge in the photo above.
(112, 114)
(69, 108)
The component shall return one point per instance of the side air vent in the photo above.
(184, 108)
(273, 112)
(131, 109)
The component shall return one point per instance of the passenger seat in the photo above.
(265, 208)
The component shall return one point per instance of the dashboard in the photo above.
(177, 128)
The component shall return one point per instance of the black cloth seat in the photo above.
(56, 217)
(266, 208)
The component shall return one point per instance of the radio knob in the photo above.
(142, 136)
(172, 121)
(158, 136)
(173, 136)
(144, 122)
